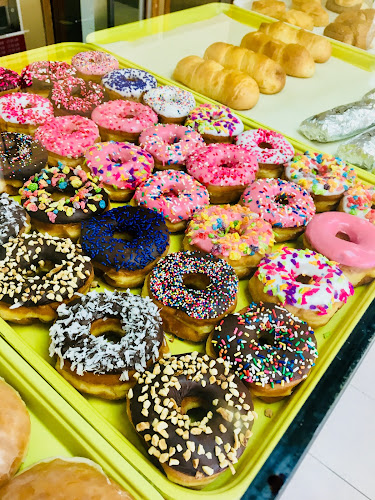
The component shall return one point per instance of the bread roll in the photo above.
(298, 18)
(295, 59)
(354, 28)
(268, 74)
(272, 8)
(319, 47)
(343, 5)
(228, 86)
(314, 9)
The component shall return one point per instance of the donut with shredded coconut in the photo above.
(171, 103)
(94, 64)
(14, 220)
(128, 83)
(88, 360)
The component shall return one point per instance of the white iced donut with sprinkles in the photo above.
(128, 83)
(172, 104)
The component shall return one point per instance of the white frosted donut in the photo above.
(25, 108)
(129, 82)
(268, 146)
(170, 101)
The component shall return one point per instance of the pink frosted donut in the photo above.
(124, 118)
(174, 194)
(225, 169)
(120, 165)
(170, 144)
(67, 136)
(94, 63)
(25, 110)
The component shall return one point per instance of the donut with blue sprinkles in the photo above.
(128, 83)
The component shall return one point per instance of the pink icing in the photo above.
(94, 62)
(223, 165)
(68, 136)
(175, 194)
(170, 144)
(276, 149)
(124, 116)
(119, 164)
(359, 252)
(25, 108)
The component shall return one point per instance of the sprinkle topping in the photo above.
(94, 62)
(129, 82)
(25, 108)
(46, 73)
(170, 101)
(9, 79)
(214, 119)
(268, 146)
(20, 156)
(359, 200)
(124, 116)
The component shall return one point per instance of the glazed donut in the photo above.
(304, 282)
(193, 291)
(14, 431)
(285, 205)
(10, 81)
(66, 138)
(24, 294)
(267, 347)
(14, 220)
(93, 64)
(62, 479)
(225, 170)
(75, 96)
(92, 364)
(128, 83)
(123, 120)
(347, 240)
(359, 201)
(125, 263)
(171, 103)
(121, 166)
(79, 198)
(271, 149)
(23, 112)
(216, 123)
(232, 233)
(39, 76)
(324, 176)
(192, 453)
(21, 156)
(170, 145)
(176, 195)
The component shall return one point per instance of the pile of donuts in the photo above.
(233, 193)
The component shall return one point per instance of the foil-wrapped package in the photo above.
(370, 95)
(340, 122)
(360, 150)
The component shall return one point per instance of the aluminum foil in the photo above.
(340, 122)
(370, 95)
(360, 150)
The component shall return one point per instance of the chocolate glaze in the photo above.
(21, 156)
(40, 75)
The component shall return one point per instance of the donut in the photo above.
(170, 144)
(225, 170)
(79, 197)
(66, 138)
(94, 365)
(171, 103)
(21, 156)
(14, 431)
(128, 83)
(347, 240)
(75, 96)
(324, 176)
(267, 347)
(285, 205)
(176, 195)
(304, 282)
(10, 81)
(123, 120)
(192, 453)
(26, 295)
(39, 76)
(216, 123)
(14, 220)
(125, 263)
(121, 166)
(23, 112)
(271, 149)
(61, 479)
(359, 201)
(233, 233)
(193, 290)
(94, 64)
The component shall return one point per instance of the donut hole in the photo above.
(343, 236)
(127, 116)
(265, 145)
(44, 268)
(195, 407)
(265, 338)
(77, 92)
(172, 193)
(283, 199)
(196, 281)
(123, 235)
(305, 279)
(110, 329)
(58, 195)
(172, 140)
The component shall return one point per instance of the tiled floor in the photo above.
(340, 462)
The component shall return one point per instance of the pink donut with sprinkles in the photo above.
(269, 147)
(174, 194)
(170, 145)
(25, 110)
(94, 63)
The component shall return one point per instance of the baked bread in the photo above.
(272, 8)
(343, 5)
(228, 86)
(298, 18)
(318, 46)
(268, 74)
(295, 59)
(354, 28)
(314, 9)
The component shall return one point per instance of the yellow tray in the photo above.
(58, 431)
(109, 418)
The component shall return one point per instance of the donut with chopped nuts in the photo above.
(38, 273)
(192, 453)
(92, 363)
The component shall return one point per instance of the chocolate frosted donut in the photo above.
(39, 76)
(10, 81)
(192, 453)
(13, 219)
